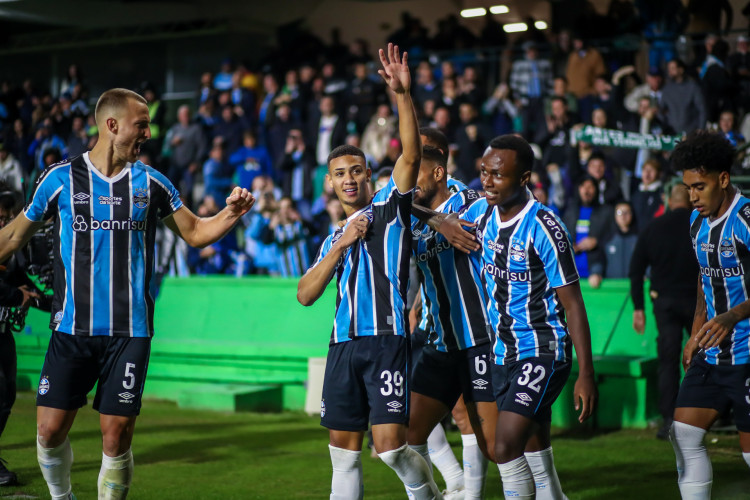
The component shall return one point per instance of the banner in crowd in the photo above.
(621, 139)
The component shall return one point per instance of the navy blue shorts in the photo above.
(366, 380)
(74, 364)
(717, 387)
(445, 376)
(529, 387)
(419, 339)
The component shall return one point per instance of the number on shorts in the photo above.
(129, 381)
(534, 384)
(480, 365)
(392, 384)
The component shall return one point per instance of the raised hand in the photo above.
(395, 70)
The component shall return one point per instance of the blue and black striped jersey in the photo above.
(104, 255)
(723, 250)
(523, 261)
(453, 298)
(373, 273)
(292, 249)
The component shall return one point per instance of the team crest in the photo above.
(517, 252)
(140, 198)
(726, 248)
(44, 386)
(323, 408)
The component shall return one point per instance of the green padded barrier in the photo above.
(239, 344)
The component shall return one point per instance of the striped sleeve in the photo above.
(554, 248)
(475, 211)
(166, 198)
(742, 227)
(325, 247)
(393, 205)
(46, 192)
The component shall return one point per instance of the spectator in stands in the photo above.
(267, 109)
(663, 22)
(739, 68)
(560, 89)
(217, 257)
(45, 140)
(18, 141)
(427, 88)
(327, 222)
(157, 112)
(619, 247)
(78, 139)
(184, 146)
(378, 132)
(665, 246)
(500, 110)
(443, 122)
(206, 90)
(683, 105)
(589, 225)
(530, 80)
(73, 77)
(584, 65)
(289, 234)
(717, 84)
(296, 168)
(726, 126)
(223, 79)
(361, 97)
(230, 127)
(609, 191)
(250, 160)
(555, 140)
(472, 137)
(651, 88)
(291, 95)
(242, 100)
(11, 171)
(469, 89)
(217, 173)
(647, 200)
(278, 132)
(326, 130)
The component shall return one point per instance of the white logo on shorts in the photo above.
(523, 398)
(480, 383)
(395, 407)
(126, 397)
(322, 408)
(44, 386)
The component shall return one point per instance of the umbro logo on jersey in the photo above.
(81, 198)
(523, 398)
(125, 397)
(395, 407)
(480, 383)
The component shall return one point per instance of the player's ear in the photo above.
(368, 173)
(724, 180)
(439, 172)
(112, 125)
(525, 176)
(329, 180)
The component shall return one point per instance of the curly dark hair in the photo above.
(703, 151)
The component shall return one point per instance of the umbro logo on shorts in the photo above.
(125, 397)
(480, 383)
(395, 407)
(523, 398)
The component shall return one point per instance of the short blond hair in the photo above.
(115, 99)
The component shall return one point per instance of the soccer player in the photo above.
(456, 360)
(535, 310)
(106, 205)
(717, 355)
(365, 376)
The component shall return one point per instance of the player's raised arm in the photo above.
(396, 74)
(584, 393)
(202, 231)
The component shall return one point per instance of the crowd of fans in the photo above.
(271, 130)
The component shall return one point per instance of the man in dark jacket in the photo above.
(296, 168)
(665, 245)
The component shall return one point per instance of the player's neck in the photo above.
(102, 156)
(513, 207)
(729, 194)
(440, 197)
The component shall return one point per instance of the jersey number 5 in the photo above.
(129, 381)
(534, 384)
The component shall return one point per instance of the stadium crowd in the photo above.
(271, 129)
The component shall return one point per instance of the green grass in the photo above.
(181, 454)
